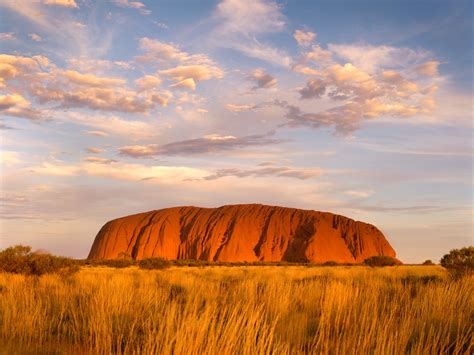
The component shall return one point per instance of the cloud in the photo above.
(366, 88)
(162, 53)
(240, 22)
(15, 66)
(90, 79)
(240, 108)
(262, 80)
(7, 36)
(250, 16)
(3, 126)
(429, 68)
(148, 82)
(111, 125)
(156, 50)
(296, 173)
(110, 169)
(348, 117)
(55, 169)
(64, 34)
(99, 160)
(97, 133)
(17, 106)
(64, 3)
(35, 37)
(370, 58)
(161, 25)
(314, 88)
(304, 38)
(9, 158)
(186, 69)
(208, 144)
(89, 65)
(186, 76)
(94, 150)
(70, 88)
(139, 151)
(96, 98)
(188, 83)
(359, 193)
(133, 5)
(195, 72)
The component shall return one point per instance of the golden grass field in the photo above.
(240, 310)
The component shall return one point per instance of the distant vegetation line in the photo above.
(22, 260)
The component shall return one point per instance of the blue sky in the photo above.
(362, 108)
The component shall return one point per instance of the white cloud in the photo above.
(94, 150)
(359, 193)
(240, 108)
(287, 172)
(429, 68)
(35, 37)
(250, 16)
(304, 38)
(97, 133)
(17, 106)
(9, 158)
(99, 160)
(186, 76)
(133, 5)
(213, 143)
(188, 83)
(70, 88)
(63, 3)
(240, 22)
(105, 125)
(110, 169)
(263, 80)
(371, 58)
(148, 82)
(7, 36)
(89, 79)
(156, 50)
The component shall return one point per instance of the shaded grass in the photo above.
(246, 309)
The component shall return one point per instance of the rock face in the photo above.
(240, 233)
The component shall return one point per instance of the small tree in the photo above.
(459, 262)
(428, 262)
(380, 260)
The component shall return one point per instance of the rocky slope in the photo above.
(240, 233)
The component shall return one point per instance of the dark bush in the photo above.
(154, 263)
(428, 262)
(118, 263)
(21, 260)
(459, 262)
(330, 263)
(380, 260)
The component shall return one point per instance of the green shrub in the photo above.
(459, 262)
(380, 260)
(21, 260)
(154, 263)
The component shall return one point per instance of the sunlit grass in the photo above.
(250, 310)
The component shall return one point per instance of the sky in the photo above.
(361, 108)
